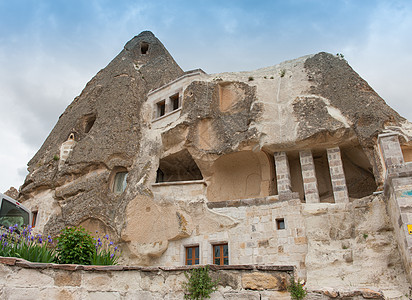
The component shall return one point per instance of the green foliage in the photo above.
(340, 55)
(75, 246)
(282, 73)
(199, 285)
(251, 78)
(365, 236)
(26, 245)
(271, 77)
(296, 289)
(56, 157)
(105, 252)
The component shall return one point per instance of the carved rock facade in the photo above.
(280, 166)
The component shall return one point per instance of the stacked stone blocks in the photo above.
(282, 172)
(337, 175)
(310, 184)
(391, 149)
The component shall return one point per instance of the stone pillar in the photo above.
(391, 149)
(340, 191)
(282, 173)
(310, 182)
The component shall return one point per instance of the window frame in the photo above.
(160, 108)
(194, 258)
(123, 183)
(280, 221)
(221, 257)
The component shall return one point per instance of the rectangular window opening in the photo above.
(161, 108)
(192, 255)
(175, 101)
(221, 254)
(280, 224)
(34, 218)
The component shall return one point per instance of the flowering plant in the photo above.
(26, 245)
(106, 253)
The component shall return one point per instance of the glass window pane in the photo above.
(217, 261)
(217, 251)
(197, 252)
(196, 261)
(226, 261)
(120, 182)
(189, 262)
(11, 214)
(189, 253)
(225, 250)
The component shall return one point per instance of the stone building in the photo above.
(300, 164)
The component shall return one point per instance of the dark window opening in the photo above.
(144, 47)
(88, 122)
(192, 255)
(175, 101)
(161, 108)
(178, 167)
(160, 176)
(280, 224)
(34, 218)
(221, 254)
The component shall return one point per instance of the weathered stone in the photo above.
(371, 294)
(67, 279)
(261, 281)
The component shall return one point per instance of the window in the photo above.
(221, 254)
(11, 214)
(174, 100)
(119, 184)
(144, 47)
(192, 255)
(161, 108)
(34, 218)
(280, 224)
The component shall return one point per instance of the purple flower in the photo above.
(40, 240)
(111, 255)
(107, 237)
(111, 243)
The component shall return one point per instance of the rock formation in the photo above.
(257, 162)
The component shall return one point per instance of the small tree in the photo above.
(200, 285)
(296, 289)
(75, 246)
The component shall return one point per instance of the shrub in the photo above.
(105, 252)
(296, 289)
(250, 78)
(26, 245)
(199, 285)
(75, 246)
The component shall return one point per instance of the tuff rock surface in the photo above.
(219, 143)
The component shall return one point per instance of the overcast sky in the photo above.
(49, 50)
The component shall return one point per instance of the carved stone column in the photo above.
(310, 182)
(340, 191)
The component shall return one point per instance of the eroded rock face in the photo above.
(161, 159)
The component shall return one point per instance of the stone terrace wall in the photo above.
(23, 280)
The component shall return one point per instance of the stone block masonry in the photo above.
(337, 175)
(24, 280)
(282, 172)
(391, 149)
(310, 183)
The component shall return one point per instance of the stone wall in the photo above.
(23, 280)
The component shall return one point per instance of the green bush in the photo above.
(75, 246)
(296, 289)
(24, 244)
(200, 285)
